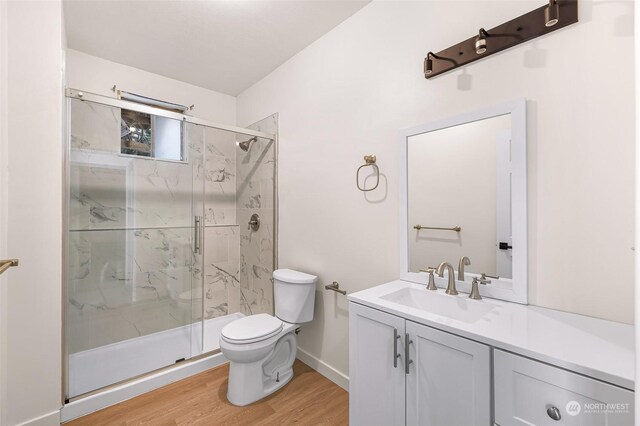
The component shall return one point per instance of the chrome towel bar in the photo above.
(455, 228)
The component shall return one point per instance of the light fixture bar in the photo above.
(552, 16)
(133, 97)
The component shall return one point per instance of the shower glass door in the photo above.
(134, 244)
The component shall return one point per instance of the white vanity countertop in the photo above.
(594, 347)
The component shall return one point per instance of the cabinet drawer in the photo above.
(525, 390)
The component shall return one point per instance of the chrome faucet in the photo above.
(451, 284)
(464, 260)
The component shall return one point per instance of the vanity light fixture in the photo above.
(551, 13)
(428, 63)
(481, 42)
(536, 23)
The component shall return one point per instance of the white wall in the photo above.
(32, 211)
(347, 94)
(97, 75)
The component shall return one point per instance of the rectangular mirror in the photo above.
(464, 194)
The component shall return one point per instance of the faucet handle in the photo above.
(475, 293)
(432, 283)
(484, 276)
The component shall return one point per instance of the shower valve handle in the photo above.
(254, 222)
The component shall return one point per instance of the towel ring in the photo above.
(370, 160)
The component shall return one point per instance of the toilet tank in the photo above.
(294, 294)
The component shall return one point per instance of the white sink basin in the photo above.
(459, 308)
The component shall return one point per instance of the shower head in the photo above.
(246, 144)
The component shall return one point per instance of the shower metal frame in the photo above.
(134, 106)
(71, 93)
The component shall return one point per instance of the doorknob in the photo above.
(6, 264)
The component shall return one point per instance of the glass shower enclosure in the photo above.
(159, 253)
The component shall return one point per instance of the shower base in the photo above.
(100, 367)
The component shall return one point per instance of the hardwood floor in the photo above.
(309, 399)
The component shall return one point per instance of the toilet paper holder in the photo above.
(335, 287)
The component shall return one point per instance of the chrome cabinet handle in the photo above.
(554, 413)
(396, 355)
(407, 360)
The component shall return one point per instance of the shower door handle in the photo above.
(196, 234)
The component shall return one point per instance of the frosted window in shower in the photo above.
(167, 142)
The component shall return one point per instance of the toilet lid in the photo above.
(252, 328)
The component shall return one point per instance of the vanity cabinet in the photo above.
(448, 380)
(527, 392)
(406, 373)
(402, 372)
(376, 367)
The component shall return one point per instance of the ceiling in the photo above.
(224, 46)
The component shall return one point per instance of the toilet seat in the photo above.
(251, 329)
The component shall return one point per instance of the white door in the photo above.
(376, 368)
(503, 205)
(449, 380)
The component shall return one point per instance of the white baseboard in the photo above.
(137, 387)
(325, 369)
(50, 419)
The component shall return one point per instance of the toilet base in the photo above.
(245, 395)
(252, 381)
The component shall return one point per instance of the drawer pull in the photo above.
(554, 413)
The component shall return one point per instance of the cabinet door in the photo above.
(528, 393)
(449, 380)
(376, 375)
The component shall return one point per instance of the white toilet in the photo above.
(262, 348)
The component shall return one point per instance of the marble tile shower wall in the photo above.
(221, 235)
(256, 194)
(238, 261)
(131, 266)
